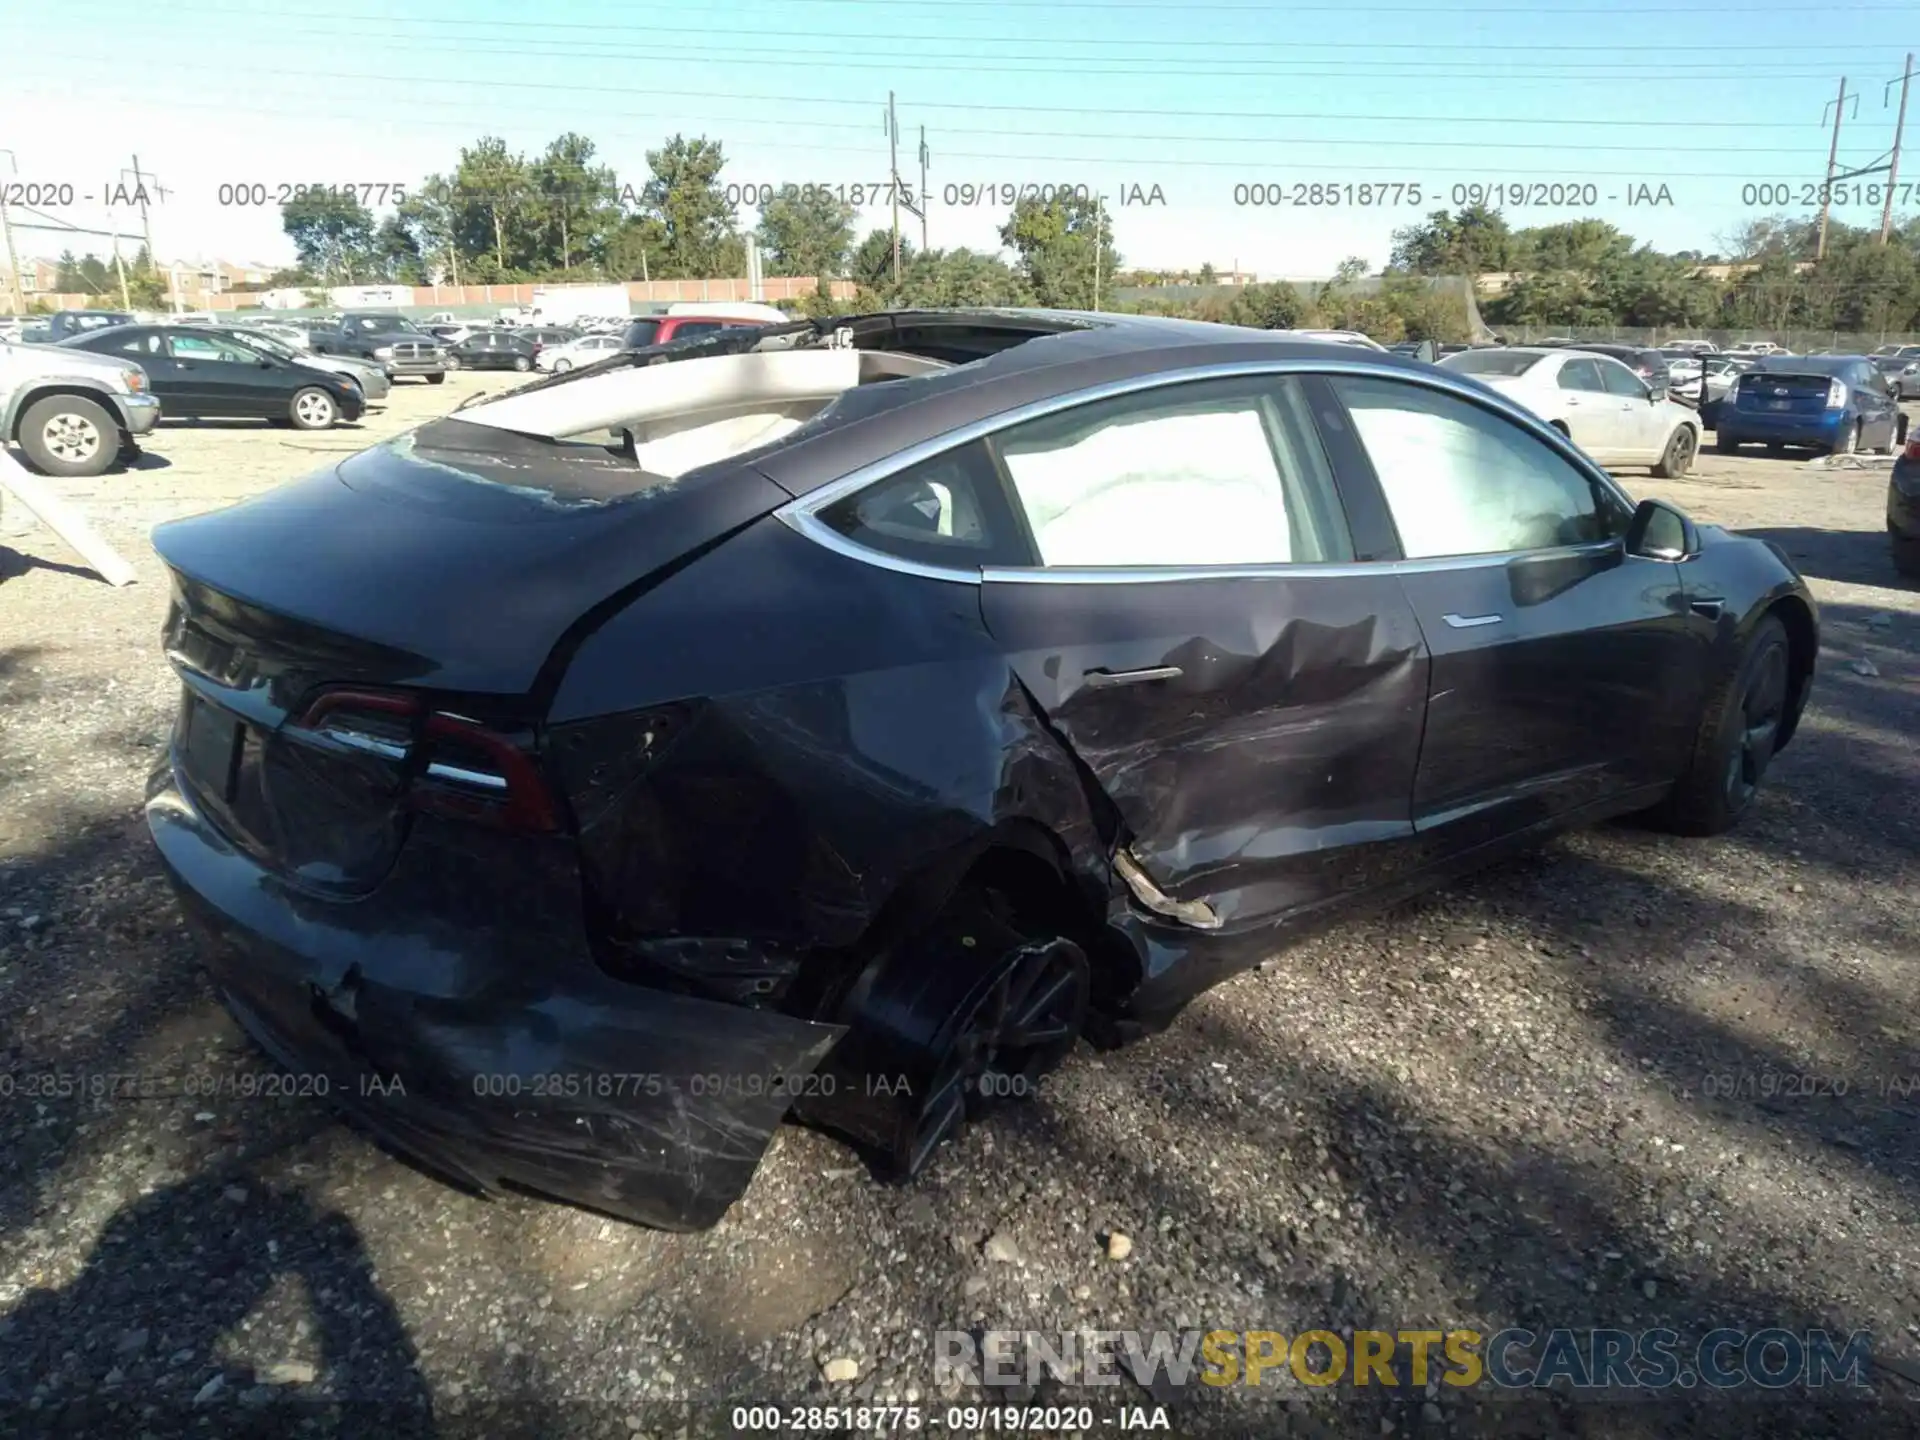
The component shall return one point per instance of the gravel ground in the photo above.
(1501, 1105)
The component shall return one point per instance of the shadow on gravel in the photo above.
(1854, 557)
(15, 563)
(143, 1338)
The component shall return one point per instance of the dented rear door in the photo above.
(1255, 726)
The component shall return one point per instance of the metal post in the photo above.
(1833, 157)
(6, 234)
(926, 195)
(893, 167)
(1893, 165)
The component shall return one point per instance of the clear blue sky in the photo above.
(1193, 98)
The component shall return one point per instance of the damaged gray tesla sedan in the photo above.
(840, 719)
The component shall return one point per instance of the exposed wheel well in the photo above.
(1029, 867)
(1802, 643)
(1561, 426)
(79, 392)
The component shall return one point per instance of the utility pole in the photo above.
(1099, 235)
(893, 168)
(1893, 165)
(926, 195)
(1833, 158)
(6, 234)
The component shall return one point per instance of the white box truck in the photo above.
(565, 304)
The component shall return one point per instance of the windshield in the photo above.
(1492, 362)
(261, 341)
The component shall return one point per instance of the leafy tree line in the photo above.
(1588, 272)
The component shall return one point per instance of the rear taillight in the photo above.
(1912, 452)
(1836, 395)
(453, 765)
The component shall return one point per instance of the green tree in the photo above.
(67, 278)
(146, 287)
(1208, 275)
(807, 233)
(575, 204)
(945, 278)
(1060, 243)
(490, 195)
(332, 232)
(1473, 242)
(701, 237)
(872, 262)
(1276, 306)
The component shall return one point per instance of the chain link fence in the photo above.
(1801, 342)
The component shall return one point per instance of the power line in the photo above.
(481, 123)
(1583, 121)
(786, 58)
(1358, 8)
(867, 37)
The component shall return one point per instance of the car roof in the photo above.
(1810, 364)
(1005, 359)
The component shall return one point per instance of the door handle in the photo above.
(1107, 679)
(1708, 606)
(1472, 622)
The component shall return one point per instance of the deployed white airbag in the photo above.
(685, 413)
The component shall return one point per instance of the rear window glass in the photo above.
(642, 332)
(950, 511)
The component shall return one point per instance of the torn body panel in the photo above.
(1258, 736)
(776, 774)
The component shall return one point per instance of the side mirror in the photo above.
(1656, 393)
(1660, 531)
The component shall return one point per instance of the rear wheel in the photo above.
(1739, 730)
(439, 377)
(521, 362)
(1678, 456)
(1849, 442)
(967, 1014)
(69, 435)
(453, 362)
(1893, 436)
(1725, 444)
(560, 367)
(314, 409)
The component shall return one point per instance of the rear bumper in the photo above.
(1821, 431)
(488, 1045)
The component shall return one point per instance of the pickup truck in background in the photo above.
(393, 342)
(72, 412)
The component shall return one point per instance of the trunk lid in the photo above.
(430, 586)
(456, 557)
(1770, 391)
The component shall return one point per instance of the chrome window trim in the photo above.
(803, 514)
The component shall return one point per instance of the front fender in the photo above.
(42, 386)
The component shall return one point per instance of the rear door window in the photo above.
(1619, 380)
(1581, 375)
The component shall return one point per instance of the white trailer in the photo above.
(564, 304)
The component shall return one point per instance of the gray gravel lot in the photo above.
(1501, 1105)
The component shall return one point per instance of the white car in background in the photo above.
(1598, 403)
(1338, 337)
(559, 359)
